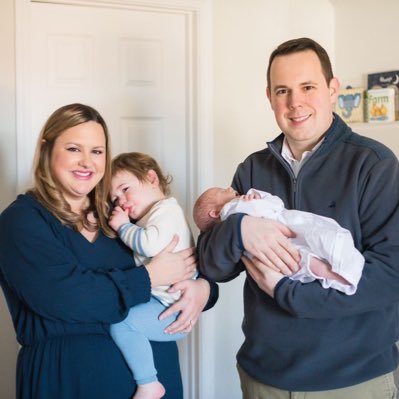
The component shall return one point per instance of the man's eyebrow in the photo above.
(309, 82)
(279, 87)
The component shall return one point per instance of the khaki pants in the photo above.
(378, 388)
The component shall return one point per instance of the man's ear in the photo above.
(334, 89)
(214, 214)
(152, 177)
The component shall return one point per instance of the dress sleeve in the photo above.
(46, 277)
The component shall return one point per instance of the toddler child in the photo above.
(146, 219)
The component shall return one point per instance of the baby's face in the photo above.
(223, 195)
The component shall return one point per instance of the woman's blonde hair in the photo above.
(46, 190)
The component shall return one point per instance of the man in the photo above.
(302, 340)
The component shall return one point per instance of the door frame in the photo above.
(199, 357)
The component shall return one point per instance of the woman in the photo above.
(66, 278)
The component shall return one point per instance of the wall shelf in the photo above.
(375, 126)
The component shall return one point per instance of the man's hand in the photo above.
(265, 277)
(268, 241)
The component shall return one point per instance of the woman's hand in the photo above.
(169, 267)
(268, 241)
(194, 297)
(265, 277)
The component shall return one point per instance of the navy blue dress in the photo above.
(63, 292)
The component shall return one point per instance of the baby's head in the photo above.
(137, 182)
(206, 212)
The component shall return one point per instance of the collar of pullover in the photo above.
(337, 132)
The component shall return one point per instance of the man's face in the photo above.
(301, 99)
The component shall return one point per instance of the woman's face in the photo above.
(78, 161)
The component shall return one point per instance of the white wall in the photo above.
(245, 33)
(8, 345)
(365, 42)
(7, 104)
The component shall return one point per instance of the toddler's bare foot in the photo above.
(152, 390)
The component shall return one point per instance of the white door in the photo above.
(138, 67)
(128, 64)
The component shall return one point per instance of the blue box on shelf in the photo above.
(383, 79)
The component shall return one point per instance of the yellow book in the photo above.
(381, 105)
